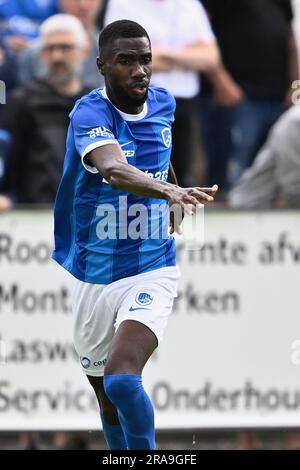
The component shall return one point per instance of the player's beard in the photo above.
(140, 101)
(129, 99)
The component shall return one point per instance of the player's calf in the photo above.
(130, 349)
(107, 409)
(112, 429)
(135, 409)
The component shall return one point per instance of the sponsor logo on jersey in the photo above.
(159, 175)
(167, 137)
(100, 132)
(100, 363)
(129, 153)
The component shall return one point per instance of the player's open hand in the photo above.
(195, 197)
(187, 200)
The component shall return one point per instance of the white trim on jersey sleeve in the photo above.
(91, 147)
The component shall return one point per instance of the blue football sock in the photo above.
(114, 435)
(135, 410)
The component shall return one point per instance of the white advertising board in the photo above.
(231, 353)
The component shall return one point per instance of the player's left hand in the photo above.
(176, 219)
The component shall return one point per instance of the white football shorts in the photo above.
(98, 311)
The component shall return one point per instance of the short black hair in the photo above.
(120, 29)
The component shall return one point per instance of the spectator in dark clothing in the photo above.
(36, 116)
(8, 77)
(243, 99)
(8, 66)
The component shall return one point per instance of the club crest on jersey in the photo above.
(142, 298)
(85, 362)
(167, 137)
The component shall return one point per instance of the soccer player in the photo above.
(111, 230)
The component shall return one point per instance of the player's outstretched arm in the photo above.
(113, 166)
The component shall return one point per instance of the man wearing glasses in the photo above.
(34, 123)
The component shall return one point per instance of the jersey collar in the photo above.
(125, 116)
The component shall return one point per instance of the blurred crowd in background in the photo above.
(231, 65)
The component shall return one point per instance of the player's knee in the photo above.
(114, 387)
(118, 387)
(126, 365)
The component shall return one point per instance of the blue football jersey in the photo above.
(104, 234)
